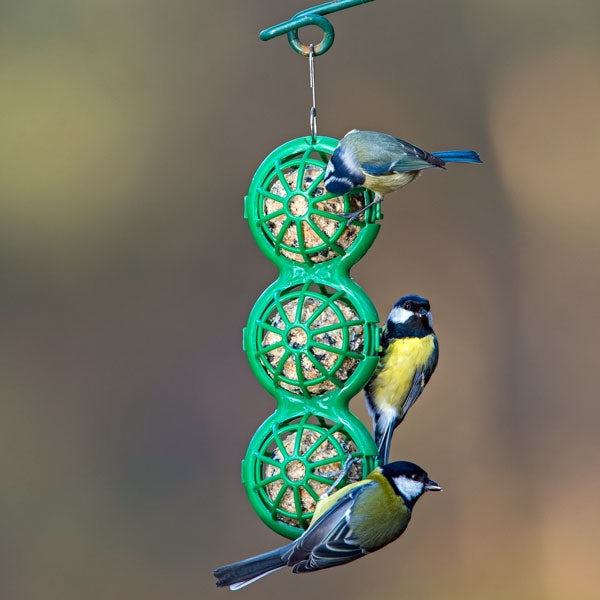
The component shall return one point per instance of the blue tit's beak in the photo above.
(432, 486)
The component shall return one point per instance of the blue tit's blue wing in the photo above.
(382, 154)
(378, 168)
(328, 542)
(420, 379)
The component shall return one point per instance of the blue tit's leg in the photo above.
(354, 215)
(345, 470)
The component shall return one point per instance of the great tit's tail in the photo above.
(239, 575)
(384, 429)
(464, 156)
(383, 446)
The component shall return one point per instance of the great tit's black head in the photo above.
(412, 312)
(408, 480)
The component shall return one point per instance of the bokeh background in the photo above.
(129, 132)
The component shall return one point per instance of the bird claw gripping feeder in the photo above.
(312, 338)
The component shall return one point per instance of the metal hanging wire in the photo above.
(311, 79)
(311, 16)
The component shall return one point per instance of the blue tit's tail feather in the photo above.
(466, 156)
(238, 575)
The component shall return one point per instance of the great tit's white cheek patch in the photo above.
(409, 487)
(400, 315)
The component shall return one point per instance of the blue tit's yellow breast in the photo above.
(384, 184)
(399, 364)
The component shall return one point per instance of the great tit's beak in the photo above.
(432, 486)
(429, 316)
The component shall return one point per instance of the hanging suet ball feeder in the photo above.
(292, 460)
(292, 215)
(309, 340)
(312, 338)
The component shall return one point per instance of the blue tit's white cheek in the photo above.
(409, 488)
(430, 319)
(343, 172)
(400, 315)
(347, 160)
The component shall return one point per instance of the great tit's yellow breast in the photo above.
(400, 362)
(384, 184)
(379, 515)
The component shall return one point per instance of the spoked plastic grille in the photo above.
(298, 462)
(301, 219)
(311, 340)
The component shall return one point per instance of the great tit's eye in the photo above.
(414, 476)
(408, 306)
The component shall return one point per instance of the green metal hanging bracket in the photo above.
(310, 16)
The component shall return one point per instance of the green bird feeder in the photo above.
(312, 338)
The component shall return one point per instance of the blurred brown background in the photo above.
(129, 132)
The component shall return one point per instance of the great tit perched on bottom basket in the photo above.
(382, 163)
(408, 357)
(360, 518)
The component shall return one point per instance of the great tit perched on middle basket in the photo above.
(382, 163)
(408, 357)
(360, 518)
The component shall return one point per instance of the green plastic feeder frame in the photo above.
(295, 221)
(293, 458)
(312, 338)
(311, 341)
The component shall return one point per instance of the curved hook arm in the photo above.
(310, 16)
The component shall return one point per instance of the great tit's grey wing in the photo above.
(420, 379)
(328, 527)
(328, 542)
(332, 553)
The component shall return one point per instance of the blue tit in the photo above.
(382, 163)
(407, 358)
(356, 520)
